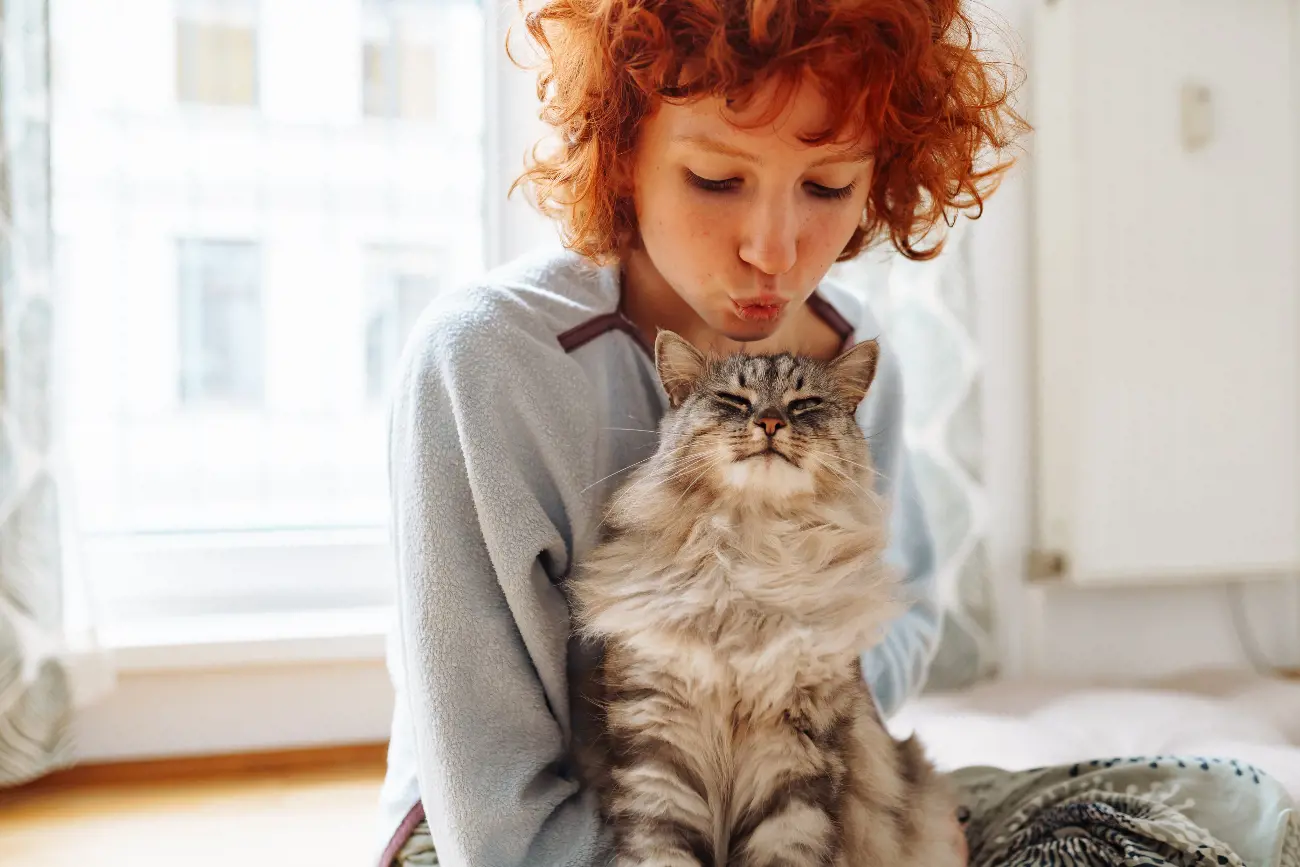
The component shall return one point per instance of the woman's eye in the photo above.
(823, 192)
(804, 404)
(723, 186)
(734, 400)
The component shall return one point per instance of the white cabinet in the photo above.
(1167, 188)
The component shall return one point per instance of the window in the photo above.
(220, 330)
(399, 61)
(216, 52)
(399, 284)
(237, 286)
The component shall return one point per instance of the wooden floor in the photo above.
(305, 808)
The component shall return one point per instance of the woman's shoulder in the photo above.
(513, 316)
(543, 294)
(850, 304)
(485, 371)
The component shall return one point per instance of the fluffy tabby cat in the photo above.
(738, 581)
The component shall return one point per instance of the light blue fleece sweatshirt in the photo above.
(519, 401)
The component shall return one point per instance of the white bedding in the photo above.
(1024, 724)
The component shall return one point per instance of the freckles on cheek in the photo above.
(698, 222)
(835, 230)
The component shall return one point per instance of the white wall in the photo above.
(239, 710)
(1090, 633)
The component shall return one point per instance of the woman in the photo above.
(714, 160)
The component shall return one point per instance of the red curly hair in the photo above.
(905, 73)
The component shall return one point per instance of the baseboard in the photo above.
(298, 762)
(173, 714)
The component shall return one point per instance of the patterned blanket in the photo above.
(1138, 811)
(1134, 812)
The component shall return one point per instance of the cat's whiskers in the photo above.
(681, 469)
(615, 473)
(678, 468)
(709, 464)
(632, 465)
(852, 481)
(875, 471)
(869, 494)
(864, 467)
(870, 469)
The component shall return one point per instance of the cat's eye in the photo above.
(734, 400)
(804, 404)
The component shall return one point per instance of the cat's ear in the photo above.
(855, 369)
(680, 365)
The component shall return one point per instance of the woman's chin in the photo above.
(742, 330)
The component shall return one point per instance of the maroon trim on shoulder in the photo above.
(827, 313)
(403, 833)
(581, 335)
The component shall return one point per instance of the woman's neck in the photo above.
(651, 304)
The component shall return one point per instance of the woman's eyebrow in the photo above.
(704, 142)
(855, 155)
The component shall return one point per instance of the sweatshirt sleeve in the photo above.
(490, 435)
(896, 668)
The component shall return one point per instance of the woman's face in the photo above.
(743, 221)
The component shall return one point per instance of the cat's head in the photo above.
(767, 428)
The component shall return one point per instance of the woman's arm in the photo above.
(489, 437)
(896, 669)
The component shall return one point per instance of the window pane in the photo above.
(377, 79)
(399, 60)
(400, 284)
(220, 322)
(216, 53)
(238, 286)
(417, 80)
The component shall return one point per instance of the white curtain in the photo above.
(35, 691)
(929, 314)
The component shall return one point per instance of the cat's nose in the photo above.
(770, 424)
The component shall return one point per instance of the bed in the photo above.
(1171, 772)
(1029, 723)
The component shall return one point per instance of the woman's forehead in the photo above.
(758, 126)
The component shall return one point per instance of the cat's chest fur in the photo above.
(749, 610)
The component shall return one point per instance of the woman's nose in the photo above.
(770, 242)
